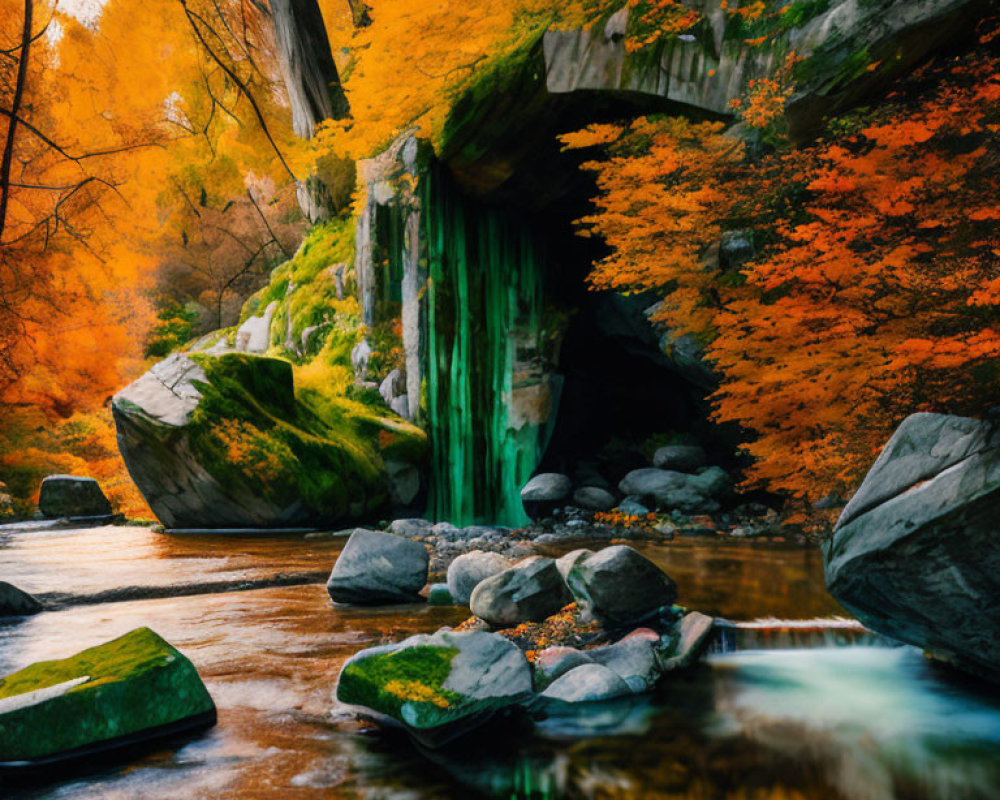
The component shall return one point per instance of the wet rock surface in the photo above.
(377, 568)
(915, 553)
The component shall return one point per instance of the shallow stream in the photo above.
(806, 708)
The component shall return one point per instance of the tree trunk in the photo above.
(307, 64)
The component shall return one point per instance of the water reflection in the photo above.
(854, 723)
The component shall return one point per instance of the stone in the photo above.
(377, 568)
(692, 637)
(437, 686)
(588, 683)
(680, 457)
(672, 490)
(72, 496)
(593, 498)
(735, 249)
(300, 465)
(14, 602)
(618, 585)
(467, 571)
(530, 591)
(632, 507)
(392, 386)
(565, 563)
(254, 335)
(712, 482)
(439, 595)
(135, 688)
(554, 662)
(544, 493)
(360, 355)
(915, 555)
(401, 406)
(411, 527)
(633, 659)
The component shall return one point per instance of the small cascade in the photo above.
(798, 634)
(490, 399)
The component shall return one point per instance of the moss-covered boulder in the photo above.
(437, 686)
(232, 441)
(134, 688)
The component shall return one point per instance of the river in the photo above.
(790, 713)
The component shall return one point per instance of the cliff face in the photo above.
(444, 302)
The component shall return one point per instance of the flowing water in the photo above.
(782, 714)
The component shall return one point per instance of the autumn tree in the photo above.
(876, 286)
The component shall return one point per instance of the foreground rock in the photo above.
(132, 689)
(529, 591)
(72, 496)
(375, 568)
(467, 571)
(15, 603)
(224, 441)
(619, 585)
(437, 686)
(915, 554)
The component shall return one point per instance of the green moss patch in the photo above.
(135, 683)
(315, 446)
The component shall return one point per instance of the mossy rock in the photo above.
(135, 687)
(437, 686)
(229, 441)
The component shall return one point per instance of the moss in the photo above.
(311, 445)
(376, 681)
(134, 683)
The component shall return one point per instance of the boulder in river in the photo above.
(588, 683)
(378, 568)
(531, 590)
(226, 441)
(440, 685)
(618, 585)
(15, 602)
(915, 554)
(593, 498)
(467, 571)
(72, 496)
(133, 689)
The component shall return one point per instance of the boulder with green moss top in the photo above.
(134, 688)
(437, 686)
(233, 441)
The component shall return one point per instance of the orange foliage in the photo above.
(876, 288)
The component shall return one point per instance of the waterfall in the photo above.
(778, 634)
(489, 400)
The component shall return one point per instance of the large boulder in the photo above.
(530, 591)
(132, 689)
(915, 553)
(226, 441)
(15, 603)
(72, 496)
(375, 568)
(618, 585)
(438, 686)
(467, 571)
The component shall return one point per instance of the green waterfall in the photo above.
(484, 355)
